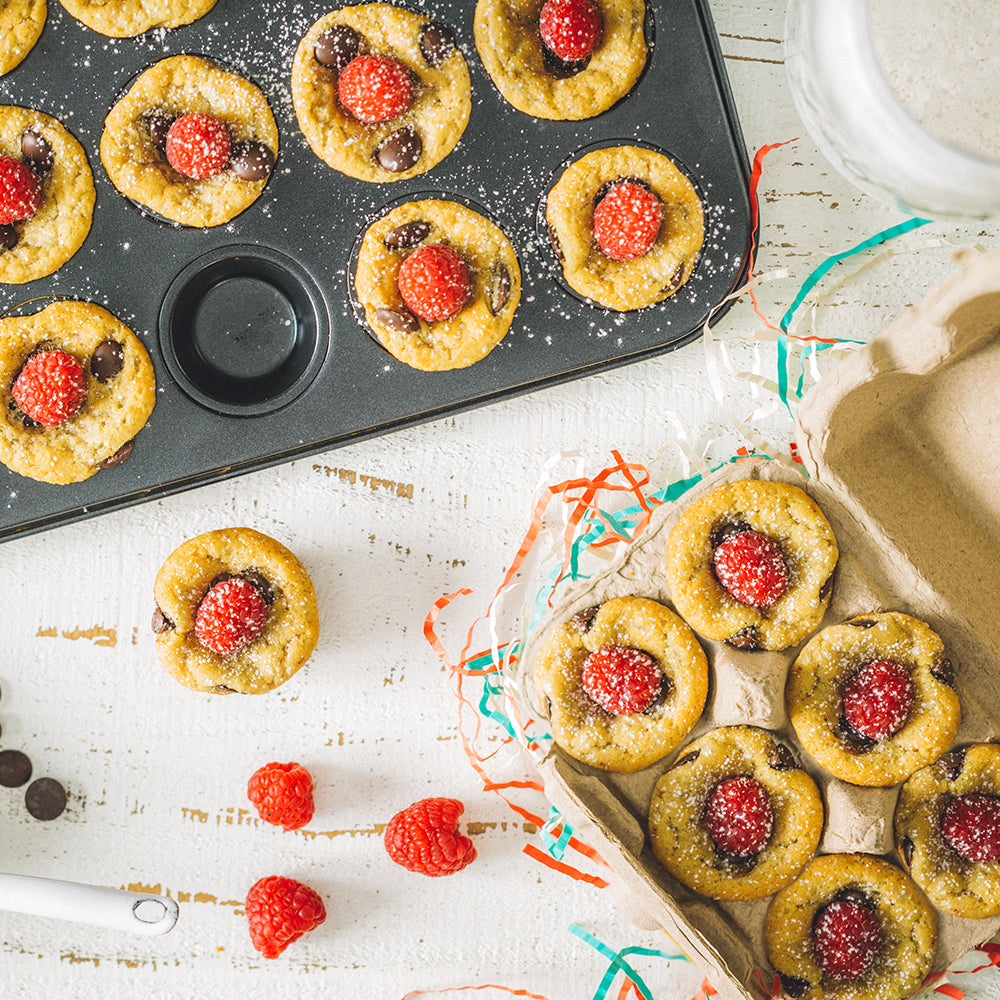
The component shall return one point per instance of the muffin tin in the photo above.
(260, 354)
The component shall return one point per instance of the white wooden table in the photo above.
(157, 774)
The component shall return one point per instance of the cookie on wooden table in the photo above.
(127, 18)
(21, 24)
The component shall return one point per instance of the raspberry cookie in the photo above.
(235, 613)
(948, 830)
(851, 927)
(191, 141)
(21, 23)
(561, 59)
(439, 284)
(621, 683)
(626, 226)
(127, 18)
(751, 564)
(381, 94)
(46, 195)
(77, 386)
(872, 699)
(735, 817)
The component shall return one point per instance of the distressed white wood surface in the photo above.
(157, 774)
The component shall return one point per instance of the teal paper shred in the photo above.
(556, 846)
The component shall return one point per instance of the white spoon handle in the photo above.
(137, 912)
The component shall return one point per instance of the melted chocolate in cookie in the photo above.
(158, 123)
(400, 150)
(397, 320)
(161, 623)
(118, 457)
(407, 235)
(497, 288)
(582, 620)
(107, 360)
(337, 46)
(37, 152)
(252, 161)
(437, 42)
(951, 763)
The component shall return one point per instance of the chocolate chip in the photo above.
(252, 161)
(561, 69)
(262, 584)
(498, 290)
(222, 689)
(118, 457)
(36, 151)
(15, 768)
(827, 588)
(407, 235)
(554, 242)
(158, 123)
(161, 623)
(45, 798)
(686, 758)
(854, 741)
(582, 620)
(736, 865)
(107, 360)
(745, 639)
(216, 580)
(944, 672)
(781, 758)
(907, 851)
(400, 150)
(9, 237)
(337, 46)
(676, 280)
(951, 763)
(862, 622)
(849, 894)
(724, 529)
(661, 696)
(794, 986)
(397, 320)
(437, 42)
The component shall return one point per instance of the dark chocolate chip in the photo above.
(582, 620)
(216, 580)
(400, 150)
(222, 689)
(686, 758)
(794, 986)
(781, 758)
(951, 763)
(676, 280)
(907, 851)
(736, 865)
(252, 161)
(498, 290)
(849, 894)
(159, 123)
(107, 360)
(337, 46)
(561, 69)
(262, 584)
(724, 529)
(827, 588)
(15, 768)
(944, 672)
(161, 623)
(554, 241)
(9, 237)
(407, 235)
(745, 639)
(45, 798)
(36, 151)
(437, 42)
(854, 741)
(666, 686)
(862, 622)
(397, 320)
(118, 457)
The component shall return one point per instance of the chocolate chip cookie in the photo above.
(851, 927)
(21, 23)
(536, 80)
(872, 699)
(948, 830)
(135, 144)
(751, 564)
(655, 270)
(114, 382)
(127, 18)
(235, 613)
(735, 817)
(621, 683)
(350, 54)
(402, 315)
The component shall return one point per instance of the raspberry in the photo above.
(230, 615)
(739, 816)
(282, 794)
(434, 282)
(627, 221)
(375, 88)
(971, 825)
(20, 191)
(50, 387)
(621, 680)
(570, 29)
(422, 838)
(751, 568)
(280, 910)
(877, 699)
(198, 145)
(846, 938)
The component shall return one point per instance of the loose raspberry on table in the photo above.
(230, 615)
(283, 794)
(375, 88)
(423, 838)
(20, 191)
(971, 826)
(622, 680)
(877, 699)
(280, 910)
(434, 282)
(571, 29)
(50, 388)
(739, 816)
(198, 145)
(627, 221)
(846, 938)
(751, 567)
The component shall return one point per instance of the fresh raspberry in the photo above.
(751, 568)
(846, 938)
(375, 88)
(230, 615)
(50, 387)
(198, 145)
(971, 825)
(283, 794)
(20, 191)
(627, 221)
(423, 838)
(570, 29)
(434, 282)
(877, 699)
(622, 680)
(280, 910)
(739, 816)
